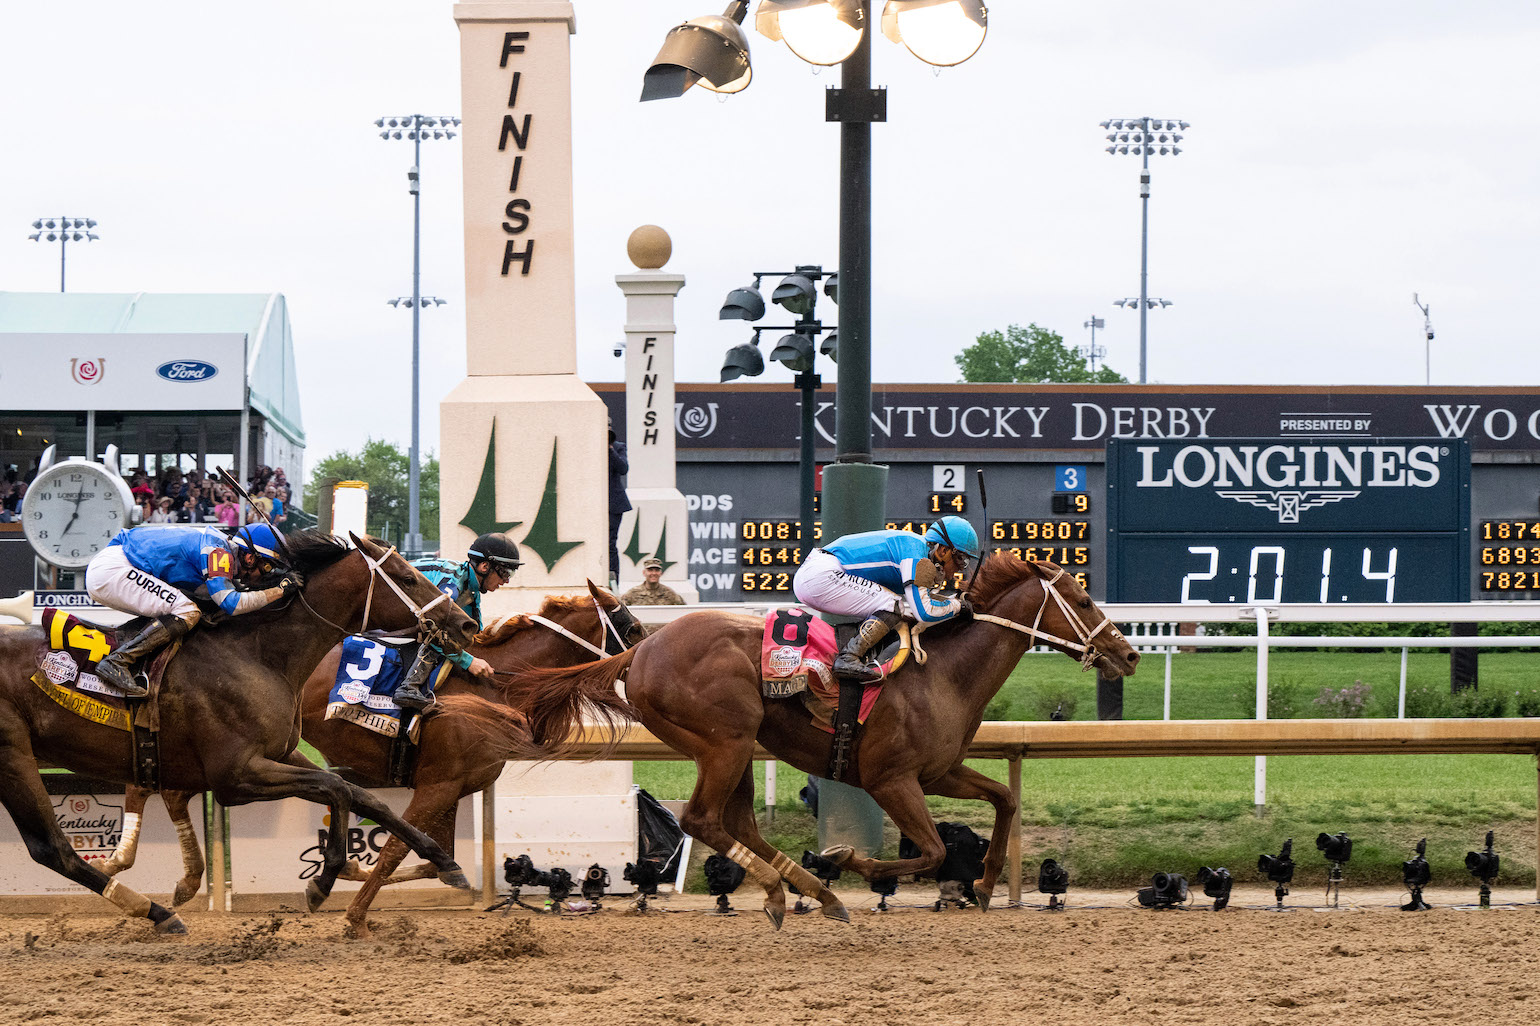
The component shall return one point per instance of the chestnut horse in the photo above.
(697, 687)
(476, 728)
(228, 706)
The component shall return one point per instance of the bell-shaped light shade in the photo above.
(830, 346)
(745, 304)
(794, 352)
(818, 31)
(939, 32)
(831, 287)
(743, 360)
(796, 293)
(711, 50)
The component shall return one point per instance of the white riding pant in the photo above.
(113, 581)
(821, 582)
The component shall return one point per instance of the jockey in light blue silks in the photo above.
(488, 565)
(157, 571)
(883, 575)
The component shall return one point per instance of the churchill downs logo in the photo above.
(1290, 479)
(695, 421)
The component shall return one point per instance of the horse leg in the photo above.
(22, 794)
(904, 802)
(192, 851)
(264, 780)
(718, 771)
(741, 823)
(431, 805)
(964, 782)
(122, 857)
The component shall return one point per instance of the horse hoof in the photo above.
(183, 893)
(315, 897)
(983, 899)
(777, 915)
(171, 927)
(839, 854)
(837, 911)
(356, 931)
(456, 879)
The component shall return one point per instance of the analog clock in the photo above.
(73, 508)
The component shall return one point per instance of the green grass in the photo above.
(1114, 821)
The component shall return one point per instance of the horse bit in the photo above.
(427, 628)
(1084, 646)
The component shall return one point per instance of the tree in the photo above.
(386, 468)
(1028, 354)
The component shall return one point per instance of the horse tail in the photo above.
(504, 732)
(567, 706)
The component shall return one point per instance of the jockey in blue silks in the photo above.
(488, 565)
(157, 571)
(883, 575)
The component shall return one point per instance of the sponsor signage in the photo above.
(123, 371)
(1058, 417)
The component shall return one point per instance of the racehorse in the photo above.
(696, 686)
(228, 708)
(463, 745)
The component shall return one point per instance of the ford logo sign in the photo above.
(187, 370)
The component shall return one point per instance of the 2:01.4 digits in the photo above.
(1266, 566)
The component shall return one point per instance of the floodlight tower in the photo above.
(65, 230)
(1093, 352)
(1144, 137)
(416, 127)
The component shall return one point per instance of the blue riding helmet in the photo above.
(260, 539)
(956, 533)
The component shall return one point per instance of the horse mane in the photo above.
(999, 573)
(501, 632)
(314, 549)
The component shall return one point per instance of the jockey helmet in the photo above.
(259, 539)
(955, 533)
(496, 549)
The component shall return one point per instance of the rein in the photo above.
(1088, 652)
(424, 626)
(559, 629)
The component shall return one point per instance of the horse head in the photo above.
(397, 596)
(1045, 602)
(624, 629)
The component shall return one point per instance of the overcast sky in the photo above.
(1341, 156)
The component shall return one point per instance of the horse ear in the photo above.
(358, 543)
(595, 591)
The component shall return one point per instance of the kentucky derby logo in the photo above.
(187, 370)
(93, 828)
(59, 667)
(785, 660)
(1288, 505)
(88, 372)
(695, 421)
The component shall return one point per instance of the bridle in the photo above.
(611, 631)
(427, 629)
(1087, 650)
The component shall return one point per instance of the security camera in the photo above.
(1430, 334)
(620, 348)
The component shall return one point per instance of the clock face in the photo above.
(72, 510)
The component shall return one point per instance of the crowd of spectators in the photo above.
(173, 497)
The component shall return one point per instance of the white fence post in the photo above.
(1401, 702)
(1259, 798)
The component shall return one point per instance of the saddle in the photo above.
(66, 674)
(368, 674)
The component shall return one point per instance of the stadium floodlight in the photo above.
(831, 288)
(745, 304)
(710, 50)
(796, 293)
(830, 346)
(743, 360)
(822, 32)
(413, 125)
(63, 230)
(942, 33)
(794, 352)
(1141, 129)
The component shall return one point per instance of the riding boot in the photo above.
(851, 663)
(114, 667)
(416, 691)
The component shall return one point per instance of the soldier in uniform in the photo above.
(652, 592)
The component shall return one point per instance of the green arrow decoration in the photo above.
(633, 549)
(662, 550)
(543, 535)
(481, 518)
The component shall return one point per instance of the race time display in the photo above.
(1295, 520)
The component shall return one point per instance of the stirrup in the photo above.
(853, 668)
(408, 697)
(122, 678)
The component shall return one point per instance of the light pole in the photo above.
(65, 230)
(798, 294)
(1427, 345)
(1143, 304)
(1144, 137)
(1093, 352)
(415, 127)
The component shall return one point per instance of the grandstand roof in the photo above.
(262, 317)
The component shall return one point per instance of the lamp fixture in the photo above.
(939, 32)
(822, 32)
(710, 50)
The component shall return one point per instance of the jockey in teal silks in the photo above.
(157, 571)
(883, 575)
(489, 564)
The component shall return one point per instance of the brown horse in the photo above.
(697, 687)
(464, 745)
(228, 707)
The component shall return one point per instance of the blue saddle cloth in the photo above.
(367, 677)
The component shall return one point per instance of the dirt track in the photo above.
(1368, 965)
